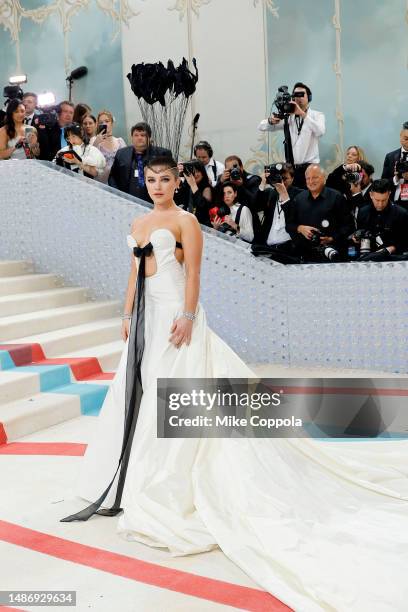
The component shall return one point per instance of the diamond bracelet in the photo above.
(189, 315)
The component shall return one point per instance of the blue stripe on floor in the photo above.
(91, 396)
(51, 376)
(6, 362)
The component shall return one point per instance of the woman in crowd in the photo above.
(239, 220)
(335, 180)
(79, 156)
(106, 143)
(195, 193)
(89, 126)
(17, 141)
(80, 112)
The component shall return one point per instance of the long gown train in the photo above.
(321, 525)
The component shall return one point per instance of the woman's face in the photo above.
(229, 196)
(161, 184)
(74, 139)
(89, 126)
(352, 156)
(106, 121)
(19, 113)
(198, 176)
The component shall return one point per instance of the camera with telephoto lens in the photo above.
(275, 173)
(188, 169)
(401, 167)
(48, 118)
(284, 101)
(235, 173)
(352, 177)
(364, 237)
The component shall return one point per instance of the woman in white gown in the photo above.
(321, 525)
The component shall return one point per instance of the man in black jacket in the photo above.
(51, 137)
(127, 172)
(318, 220)
(247, 184)
(386, 222)
(401, 153)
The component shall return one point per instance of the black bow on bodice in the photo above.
(146, 250)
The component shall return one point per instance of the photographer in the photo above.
(195, 192)
(318, 220)
(17, 140)
(384, 225)
(232, 217)
(106, 142)
(306, 126)
(341, 179)
(245, 183)
(275, 191)
(392, 158)
(79, 156)
(204, 153)
(400, 183)
(50, 127)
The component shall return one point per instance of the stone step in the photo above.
(27, 282)
(14, 268)
(41, 300)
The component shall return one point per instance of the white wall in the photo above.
(231, 90)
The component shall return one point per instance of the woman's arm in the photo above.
(5, 152)
(192, 241)
(130, 294)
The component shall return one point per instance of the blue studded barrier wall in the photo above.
(338, 315)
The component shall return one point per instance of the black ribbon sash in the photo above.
(133, 395)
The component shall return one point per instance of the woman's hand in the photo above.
(217, 222)
(181, 332)
(190, 180)
(228, 219)
(125, 329)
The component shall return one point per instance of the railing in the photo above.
(336, 315)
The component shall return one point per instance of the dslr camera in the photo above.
(352, 177)
(235, 173)
(401, 167)
(284, 101)
(275, 173)
(188, 168)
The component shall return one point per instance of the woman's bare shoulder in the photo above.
(139, 222)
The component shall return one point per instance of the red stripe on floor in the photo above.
(7, 609)
(81, 367)
(218, 591)
(3, 436)
(68, 449)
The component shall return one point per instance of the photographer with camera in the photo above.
(232, 217)
(78, 155)
(318, 220)
(246, 184)
(400, 183)
(274, 193)
(348, 173)
(50, 126)
(17, 140)
(393, 157)
(204, 153)
(127, 172)
(195, 192)
(382, 227)
(305, 127)
(106, 142)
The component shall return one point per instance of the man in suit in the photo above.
(392, 157)
(30, 103)
(127, 172)
(51, 136)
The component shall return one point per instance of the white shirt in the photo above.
(219, 169)
(306, 144)
(246, 228)
(277, 233)
(91, 156)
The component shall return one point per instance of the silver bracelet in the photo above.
(126, 316)
(189, 315)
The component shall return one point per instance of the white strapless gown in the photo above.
(321, 525)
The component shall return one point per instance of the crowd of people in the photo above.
(292, 213)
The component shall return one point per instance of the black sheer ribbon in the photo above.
(133, 395)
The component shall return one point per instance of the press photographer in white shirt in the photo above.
(306, 126)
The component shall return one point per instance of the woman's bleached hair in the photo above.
(162, 162)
